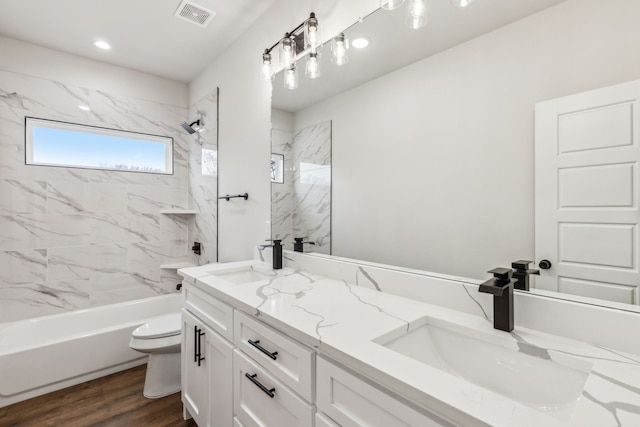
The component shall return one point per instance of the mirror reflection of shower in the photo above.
(301, 185)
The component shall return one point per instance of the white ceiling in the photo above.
(144, 34)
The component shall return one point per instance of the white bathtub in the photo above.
(49, 353)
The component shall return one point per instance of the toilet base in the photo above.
(163, 375)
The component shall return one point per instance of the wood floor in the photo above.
(114, 401)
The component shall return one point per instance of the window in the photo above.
(51, 143)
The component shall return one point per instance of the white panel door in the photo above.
(586, 193)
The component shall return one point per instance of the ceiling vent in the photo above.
(194, 13)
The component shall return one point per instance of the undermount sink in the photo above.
(548, 381)
(243, 275)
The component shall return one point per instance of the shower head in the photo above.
(190, 128)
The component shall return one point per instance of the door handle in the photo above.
(197, 345)
(545, 264)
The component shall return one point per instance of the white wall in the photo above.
(245, 110)
(433, 164)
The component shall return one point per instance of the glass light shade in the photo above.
(462, 3)
(287, 51)
(339, 46)
(312, 69)
(391, 4)
(291, 77)
(266, 67)
(312, 33)
(417, 14)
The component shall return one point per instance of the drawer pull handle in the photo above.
(197, 356)
(257, 345)
(269, 392)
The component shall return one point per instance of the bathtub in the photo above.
(45, 354)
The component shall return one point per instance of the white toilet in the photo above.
(160, 337)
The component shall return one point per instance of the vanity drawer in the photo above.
(216, 314)
(254, 407)
(352, 402)
(323, 421)
(294, 364)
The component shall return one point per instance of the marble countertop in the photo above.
(343, 321)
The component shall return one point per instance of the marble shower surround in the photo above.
(301, 207)
(77, 238)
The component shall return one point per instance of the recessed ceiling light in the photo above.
(360, 42)
(102, 44)
(84, 108)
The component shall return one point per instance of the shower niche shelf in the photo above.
(177, 265)
(178, 211)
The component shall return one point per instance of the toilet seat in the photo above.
(159, 327)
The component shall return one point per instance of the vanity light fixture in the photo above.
(391, 4)
(303, 38)
(339, 47)
(462, 3)
(291, 77)
(101, 44)
(417, 14)
(312, 69)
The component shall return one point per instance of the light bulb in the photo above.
(391, 4)
(266, 67)
(339, 46)
(311, 33)
(313, 66)
(291, 77)
(287, 51)
(417, 14)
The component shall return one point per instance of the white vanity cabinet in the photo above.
(238, 371)
(207, 360)
(352, 402)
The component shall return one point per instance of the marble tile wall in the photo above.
(77, 238)
(282, 194)
(203, 177)
(301, 207)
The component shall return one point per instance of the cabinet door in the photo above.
(265, 401)
(352, 402)
(195, 379)
(219, 356)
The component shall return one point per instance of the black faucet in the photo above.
(277, 252)
(521, 273)
(298, 244)
(501, 287)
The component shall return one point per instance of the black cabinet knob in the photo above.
(545, 264)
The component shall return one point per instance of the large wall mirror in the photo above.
(433, 130)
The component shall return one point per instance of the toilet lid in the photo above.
(161, 326)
